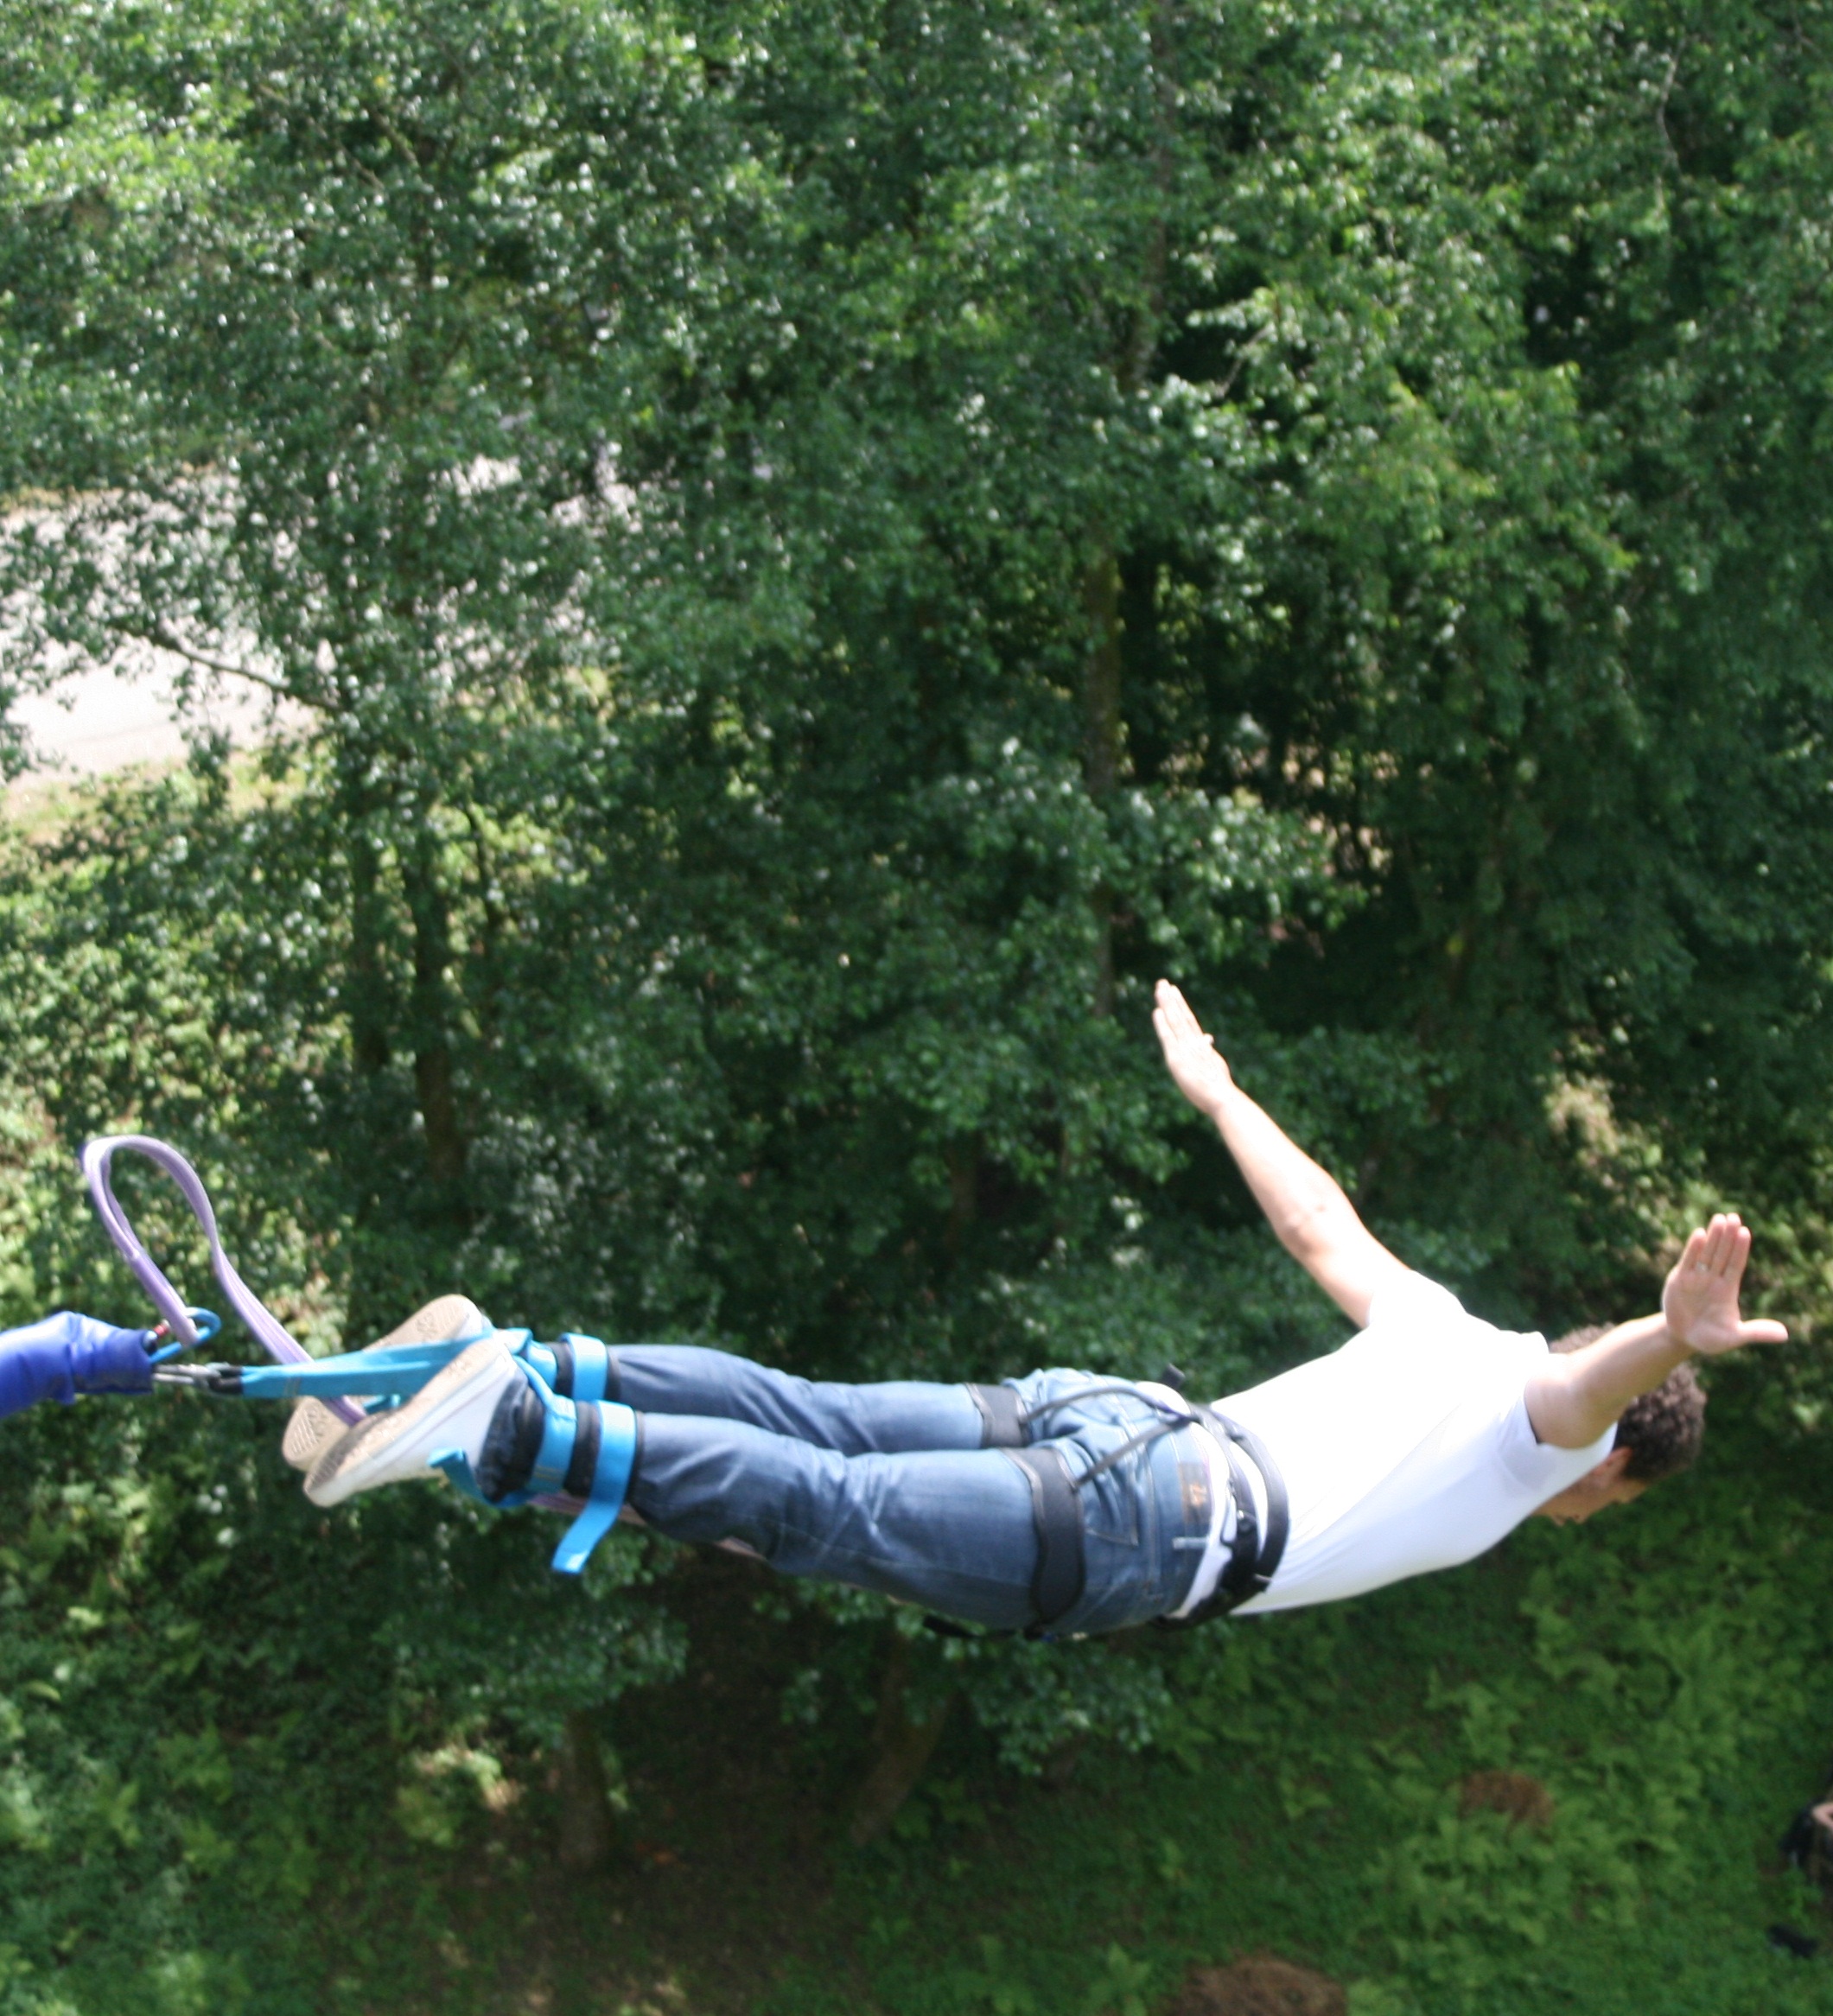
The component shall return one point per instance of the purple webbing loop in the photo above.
(263, 1325)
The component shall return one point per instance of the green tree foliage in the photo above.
(945, 518)
(805, 552)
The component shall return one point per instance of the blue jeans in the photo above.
(887, 1487)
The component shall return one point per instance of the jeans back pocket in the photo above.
(1110, 1503)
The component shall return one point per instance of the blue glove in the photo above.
(67, 1354)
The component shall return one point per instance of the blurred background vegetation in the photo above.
(804, 551)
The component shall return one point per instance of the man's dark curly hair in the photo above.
(1662, 1430)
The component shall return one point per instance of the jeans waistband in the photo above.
(1144, 1487)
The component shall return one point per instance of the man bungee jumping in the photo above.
(1065, 1503)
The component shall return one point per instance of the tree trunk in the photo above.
(367, 1003)
(435, 1083)
(1059, 1767)
(1104, 727)
(587, 1827)
(902, 1748)
(1102, 738)
(438, 1100)
(963, 1159)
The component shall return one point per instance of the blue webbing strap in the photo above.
(573, 1366)
(559, 1429)
(394, 1368)
(541, 1356)
(591, 1364)
(455, 1466)
(610, 1480)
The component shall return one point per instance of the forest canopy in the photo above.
(804, 553)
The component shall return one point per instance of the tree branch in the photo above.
(162, 639)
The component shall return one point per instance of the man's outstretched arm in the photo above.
(1571, 1400)
(1315, 1222)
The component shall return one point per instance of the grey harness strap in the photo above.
(1057, 1582)
(1056, 1504)
(1255, 1557)
(1002, 1419)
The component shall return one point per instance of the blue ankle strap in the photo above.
(574, 1366)
(610, 1474)
(591, 1364)
(560, 1429)
(610, 1480)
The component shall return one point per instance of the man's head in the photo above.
(1659, 1434)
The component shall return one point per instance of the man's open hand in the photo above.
(1700, 1302)
(1190, 1056)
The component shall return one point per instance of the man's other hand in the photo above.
(1700, 1302)
(1190, 1056)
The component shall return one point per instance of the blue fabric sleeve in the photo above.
(67, 1354)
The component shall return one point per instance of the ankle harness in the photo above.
(588, 1450)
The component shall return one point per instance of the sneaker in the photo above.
(452, 1411)
(312, 1427)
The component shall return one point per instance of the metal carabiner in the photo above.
(207, 1323)
(212, 1378)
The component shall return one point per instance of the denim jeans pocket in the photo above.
(1111, 1504)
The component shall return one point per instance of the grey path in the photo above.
(102, 718)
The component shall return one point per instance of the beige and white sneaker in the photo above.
(451, 1411)
(312, 1427)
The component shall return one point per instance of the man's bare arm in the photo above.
(1315, 1222)
(1571, 1400)
(1573, 1397)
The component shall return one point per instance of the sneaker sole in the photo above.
(312, 1427)
(395, 1445)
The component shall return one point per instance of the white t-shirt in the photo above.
(1410, 1449)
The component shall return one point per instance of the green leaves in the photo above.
(810, 552)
